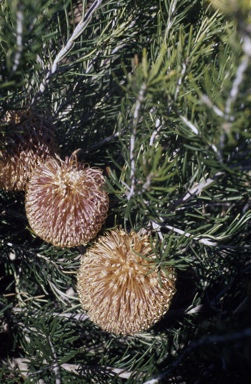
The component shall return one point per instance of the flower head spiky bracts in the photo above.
(119, 285)
(26, 139)
(65, 203)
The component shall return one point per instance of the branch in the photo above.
(236, 86)
(197, 190)
(184, 68)
(170, 21)
(56, 368)
(71, 316)
(204, 241)
(158, 127)
(19, 40)
(133, 138)
(22, 366)
(69, 45)
(105, 141)
(189, 125)
(210, 104)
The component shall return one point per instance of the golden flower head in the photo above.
(119, 285)
(65, 203)
(26, 138)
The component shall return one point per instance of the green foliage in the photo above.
(156, 93)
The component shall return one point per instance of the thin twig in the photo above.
(170, 20)
(210, 104)
(189, 124)
(133, 138)
(197, 190)
(239, 77)
(158, 127)
(71, 316)
(19, 38)
(56, 368)
(187, 234)
(22, 365)
(184, 67)
(107, 140)
(69, 45)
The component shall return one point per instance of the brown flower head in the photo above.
(119, 285)
(26, 138)
(65, 203)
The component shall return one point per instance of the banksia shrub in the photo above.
(119, 285)
(65, 202)
(26, 139)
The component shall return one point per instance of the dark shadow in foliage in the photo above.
(220, 348)
(185, 291)
(98, 374)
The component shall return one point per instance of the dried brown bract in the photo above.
(119, 285)
(65, 202)
(26, 139)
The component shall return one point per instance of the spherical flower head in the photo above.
(65, 202)
(26, 138)
(119, 285)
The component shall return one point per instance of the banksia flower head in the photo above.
(26, 138)
(119, 285)
(65, 203)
